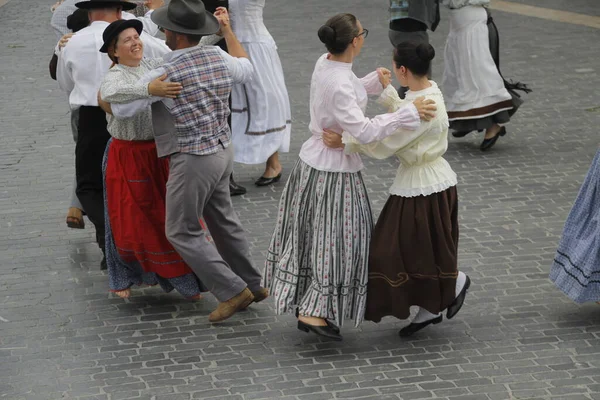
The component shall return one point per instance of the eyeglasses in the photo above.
(365, 33)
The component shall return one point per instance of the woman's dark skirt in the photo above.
(413, 255)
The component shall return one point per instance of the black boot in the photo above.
(234, 188)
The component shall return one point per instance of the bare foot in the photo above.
(492, 131)
(124, 294)
(314, 321)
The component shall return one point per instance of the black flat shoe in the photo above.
(324, 331)
(458, 302)
(489, 143)
(413, 328)
(263, 181)
(330, 324)
(235, 189)
(103, 265)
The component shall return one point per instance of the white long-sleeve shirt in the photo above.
(241, 70)
(423, 170)
(338, 100)
(81, 67)
(59, 19)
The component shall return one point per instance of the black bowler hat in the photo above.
(91, 4)
(113, 30)
(186, 16)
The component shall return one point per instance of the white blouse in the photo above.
(423, 170)
(338, 100)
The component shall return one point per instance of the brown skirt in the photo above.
(413, 255)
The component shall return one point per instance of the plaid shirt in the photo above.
(200, 111)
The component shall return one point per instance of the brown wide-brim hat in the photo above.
(114, 29)
(92, 4)
(186, 16)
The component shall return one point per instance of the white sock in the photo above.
(423, 315)
(461, 279)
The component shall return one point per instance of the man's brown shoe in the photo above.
(259, 296)
(227, 308)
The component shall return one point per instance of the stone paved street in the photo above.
(63, 336)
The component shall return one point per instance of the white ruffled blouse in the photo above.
(423, 170)
(338, 100)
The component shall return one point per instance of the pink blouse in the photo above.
(338, 100)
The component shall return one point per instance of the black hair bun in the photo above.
(327, 35)
(426, 52)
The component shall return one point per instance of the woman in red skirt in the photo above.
(138, 251)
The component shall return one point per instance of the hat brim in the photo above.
(160, 18)
(130, 23)
(90, 5)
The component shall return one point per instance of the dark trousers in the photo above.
(89, 151)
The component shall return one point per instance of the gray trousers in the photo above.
(397, 37)
(198, 186)
(74, 128)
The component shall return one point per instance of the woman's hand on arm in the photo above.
(160, 88)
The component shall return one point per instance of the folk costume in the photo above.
(192, 131)
(414, 249)
(318, 255)
(576, 267)
(135, 190)
(80, 71)
(477, 96)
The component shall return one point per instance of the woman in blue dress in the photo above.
(576, 267)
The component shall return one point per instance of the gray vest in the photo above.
(165, 132)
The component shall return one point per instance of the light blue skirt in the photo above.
(576, 267)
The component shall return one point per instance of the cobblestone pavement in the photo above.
(63, 336)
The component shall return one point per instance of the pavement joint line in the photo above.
(546, 13)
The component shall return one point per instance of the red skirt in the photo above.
(136, 189)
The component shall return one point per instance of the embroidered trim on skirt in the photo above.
(413, 258)
(124, 272)
(318, 256)
(576, 267)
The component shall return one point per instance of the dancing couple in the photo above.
(325, 261)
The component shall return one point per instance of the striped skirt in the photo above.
(318, 256)
(576, 267)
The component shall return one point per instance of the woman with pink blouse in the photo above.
(317, 259)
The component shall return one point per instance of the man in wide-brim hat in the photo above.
(80, 71)
(192, 129)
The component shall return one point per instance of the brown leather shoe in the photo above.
(259, 296)
(227, 308)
